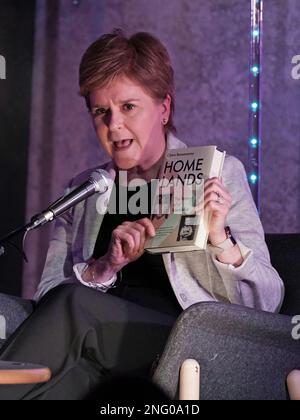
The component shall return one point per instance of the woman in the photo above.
(117, 313)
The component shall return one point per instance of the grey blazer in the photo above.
(194, 276)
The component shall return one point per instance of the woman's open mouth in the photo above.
(122, 145)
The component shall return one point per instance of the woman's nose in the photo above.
(115, 121)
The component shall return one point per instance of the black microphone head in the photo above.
(99, 178)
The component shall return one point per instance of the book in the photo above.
(179, 191)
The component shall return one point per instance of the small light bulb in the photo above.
(254, 142)
(254, 106)
(255, 70)
(253, 178)
(255, 33)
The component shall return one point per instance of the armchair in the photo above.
(243, 353)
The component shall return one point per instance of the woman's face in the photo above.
(129, 123)
(186, 231)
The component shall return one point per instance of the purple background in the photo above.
(208, 41)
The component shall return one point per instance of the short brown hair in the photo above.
(141, 58)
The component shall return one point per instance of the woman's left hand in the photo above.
(217, 200)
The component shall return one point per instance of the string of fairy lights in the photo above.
(254, 140)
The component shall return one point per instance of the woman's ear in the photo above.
(166, 107)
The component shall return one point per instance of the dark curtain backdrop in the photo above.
(16, 45)
(209, 44)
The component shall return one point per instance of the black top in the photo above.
(145, 280)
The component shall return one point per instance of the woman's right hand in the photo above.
(128, 242)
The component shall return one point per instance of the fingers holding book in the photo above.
(215, 192)
(217, 200)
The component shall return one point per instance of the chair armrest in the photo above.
(23, 373)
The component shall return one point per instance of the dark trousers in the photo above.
(85, 337)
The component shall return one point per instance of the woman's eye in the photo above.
(128, 107)
(98, 111)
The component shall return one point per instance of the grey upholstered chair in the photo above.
(243, 353)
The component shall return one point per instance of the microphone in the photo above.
(97, 183)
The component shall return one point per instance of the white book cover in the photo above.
(179, 190)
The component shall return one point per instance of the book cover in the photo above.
(179, 190)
